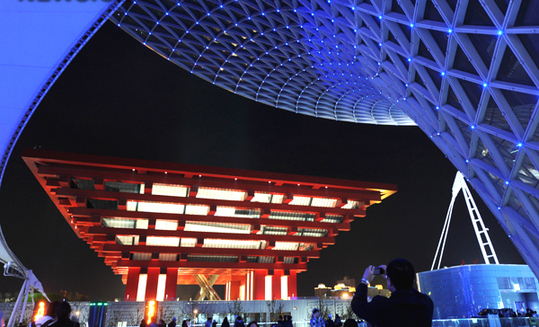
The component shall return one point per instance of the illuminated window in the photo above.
(233, 244)
(237, 212)
(125, 223)
(197, 210)
(169, 189)
(158, 207)
(127, 240)
(168, 257)
(195, 226)
(324, 202)
(284, 287)
(163, 224)
(286, 246)
(300, 201)
(188, 242)
(351, 205)
(221, 194)
(124, 187)
(268, 198)
(291, 215)
(162, 241)
(141, 256)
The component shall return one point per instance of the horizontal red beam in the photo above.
(330, 192)
(203, 250)
(214, 265)
(103, 231)
(145, 166)
(181, 218)
(107, 195)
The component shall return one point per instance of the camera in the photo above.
(379, 271)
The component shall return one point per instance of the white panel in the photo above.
(141, 291)
(161, 282)
(231, 244)
(284, 287)
(242, 293)
(163, 224)
(162, 241)
(142, 256)
(324, 202)
(300, 201)
(142, 224)
(221, 194)
(188, 242)
(158, 207)
(286, 246)
(169, 189)
(197, 210)
(268, 286)
(167, 256)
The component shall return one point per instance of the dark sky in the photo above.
(118, 98)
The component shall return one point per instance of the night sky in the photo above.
(118, 98)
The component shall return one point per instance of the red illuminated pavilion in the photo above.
(161, 224)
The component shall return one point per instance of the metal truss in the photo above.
(465, 71)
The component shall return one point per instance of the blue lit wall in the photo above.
(463, 291)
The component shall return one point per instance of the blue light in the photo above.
(412, 25)
(472, 127)
(506, 182)
(437, 108)
(207, 14)
(278, 10)
(500, 32)
(312, 14)
(467, 160)
(380, 17)
(409, 59)
(485, 84)
(379, 44)
(519, 145)
(500, 208)
(354, 8)
(443, 73)
(449, 31)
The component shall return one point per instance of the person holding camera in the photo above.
(405, 307)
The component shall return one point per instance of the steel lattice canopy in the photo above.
(465, 72)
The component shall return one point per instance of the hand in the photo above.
(369, 273)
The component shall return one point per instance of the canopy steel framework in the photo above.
(466, 72)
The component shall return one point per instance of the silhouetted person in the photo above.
(329, 321)
(225, 323)
(172, 323)
(208, 322)
(405, 308)
(252, 324)
(287, 321)
(239, 322)
(63, 315)
(338, 322)
(350, 323)
(143, 323)
(161, 323)
(316, 320)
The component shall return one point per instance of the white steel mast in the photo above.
(489, 255)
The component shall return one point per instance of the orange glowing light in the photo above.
(40, 311)
(151, 311)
